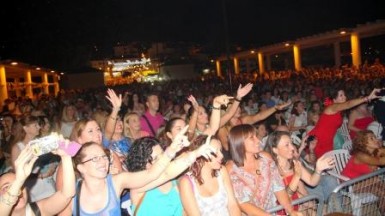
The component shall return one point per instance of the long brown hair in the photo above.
(197, 166)
(236, 138)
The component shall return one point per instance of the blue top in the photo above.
(156, 202)
(113, 203)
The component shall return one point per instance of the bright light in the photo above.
(52, 71)
(287, 44)
(206, 71)
(14, 63)
(212, 60)
(342, 32)
(37, 68)
(252, 51)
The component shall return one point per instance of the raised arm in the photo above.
(116, 102)
(58, 201)
(23, 167)
(194, 117)
(251, 119)
(322, 164)
(338, 107)
(180, 164)
(241, 92)
(216, 114)
(139, 179)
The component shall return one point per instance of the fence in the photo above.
(364, 195)
(310, 205)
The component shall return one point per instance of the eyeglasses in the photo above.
(97, 159)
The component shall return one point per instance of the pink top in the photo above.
(156, 121)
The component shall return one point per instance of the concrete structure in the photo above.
(21, 79)
(333, 37)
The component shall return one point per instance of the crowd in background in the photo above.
(202, 147)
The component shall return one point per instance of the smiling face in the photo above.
(340, 98)
(93, 161)
(284, 148)
(91, 133)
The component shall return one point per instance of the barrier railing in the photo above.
(310, 205)
(364, 195)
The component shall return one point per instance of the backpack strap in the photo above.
(149, 125)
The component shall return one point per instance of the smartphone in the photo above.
(44, 145)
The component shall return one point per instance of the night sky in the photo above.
(58, 33)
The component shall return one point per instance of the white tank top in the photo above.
(214, 205)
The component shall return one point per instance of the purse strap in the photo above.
(139, 203)
(149, 125)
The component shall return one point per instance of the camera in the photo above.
(45, 144)
(310, 139)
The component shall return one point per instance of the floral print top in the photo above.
(257, 189)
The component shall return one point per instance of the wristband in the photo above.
(236, 99)
(216, 108)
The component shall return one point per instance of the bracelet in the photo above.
(216, 108)
(289, 190)
(236, 99)
(316, 172)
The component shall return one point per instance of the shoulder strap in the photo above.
(35, 208)
(149, 125)
(78, 189)
(139, 203)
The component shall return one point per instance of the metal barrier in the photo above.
(364, 195)
(310, 205)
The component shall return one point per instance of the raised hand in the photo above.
(206, 149)
(374, 94)
(115, 100)
(324, 163)
(24, 163)
(221, 100)
(242, 91)
(194, 102)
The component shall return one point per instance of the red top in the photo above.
(362, 124)
(354, 170)
(295, 196)
(325, 130)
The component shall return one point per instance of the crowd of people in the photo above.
(202, 147)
